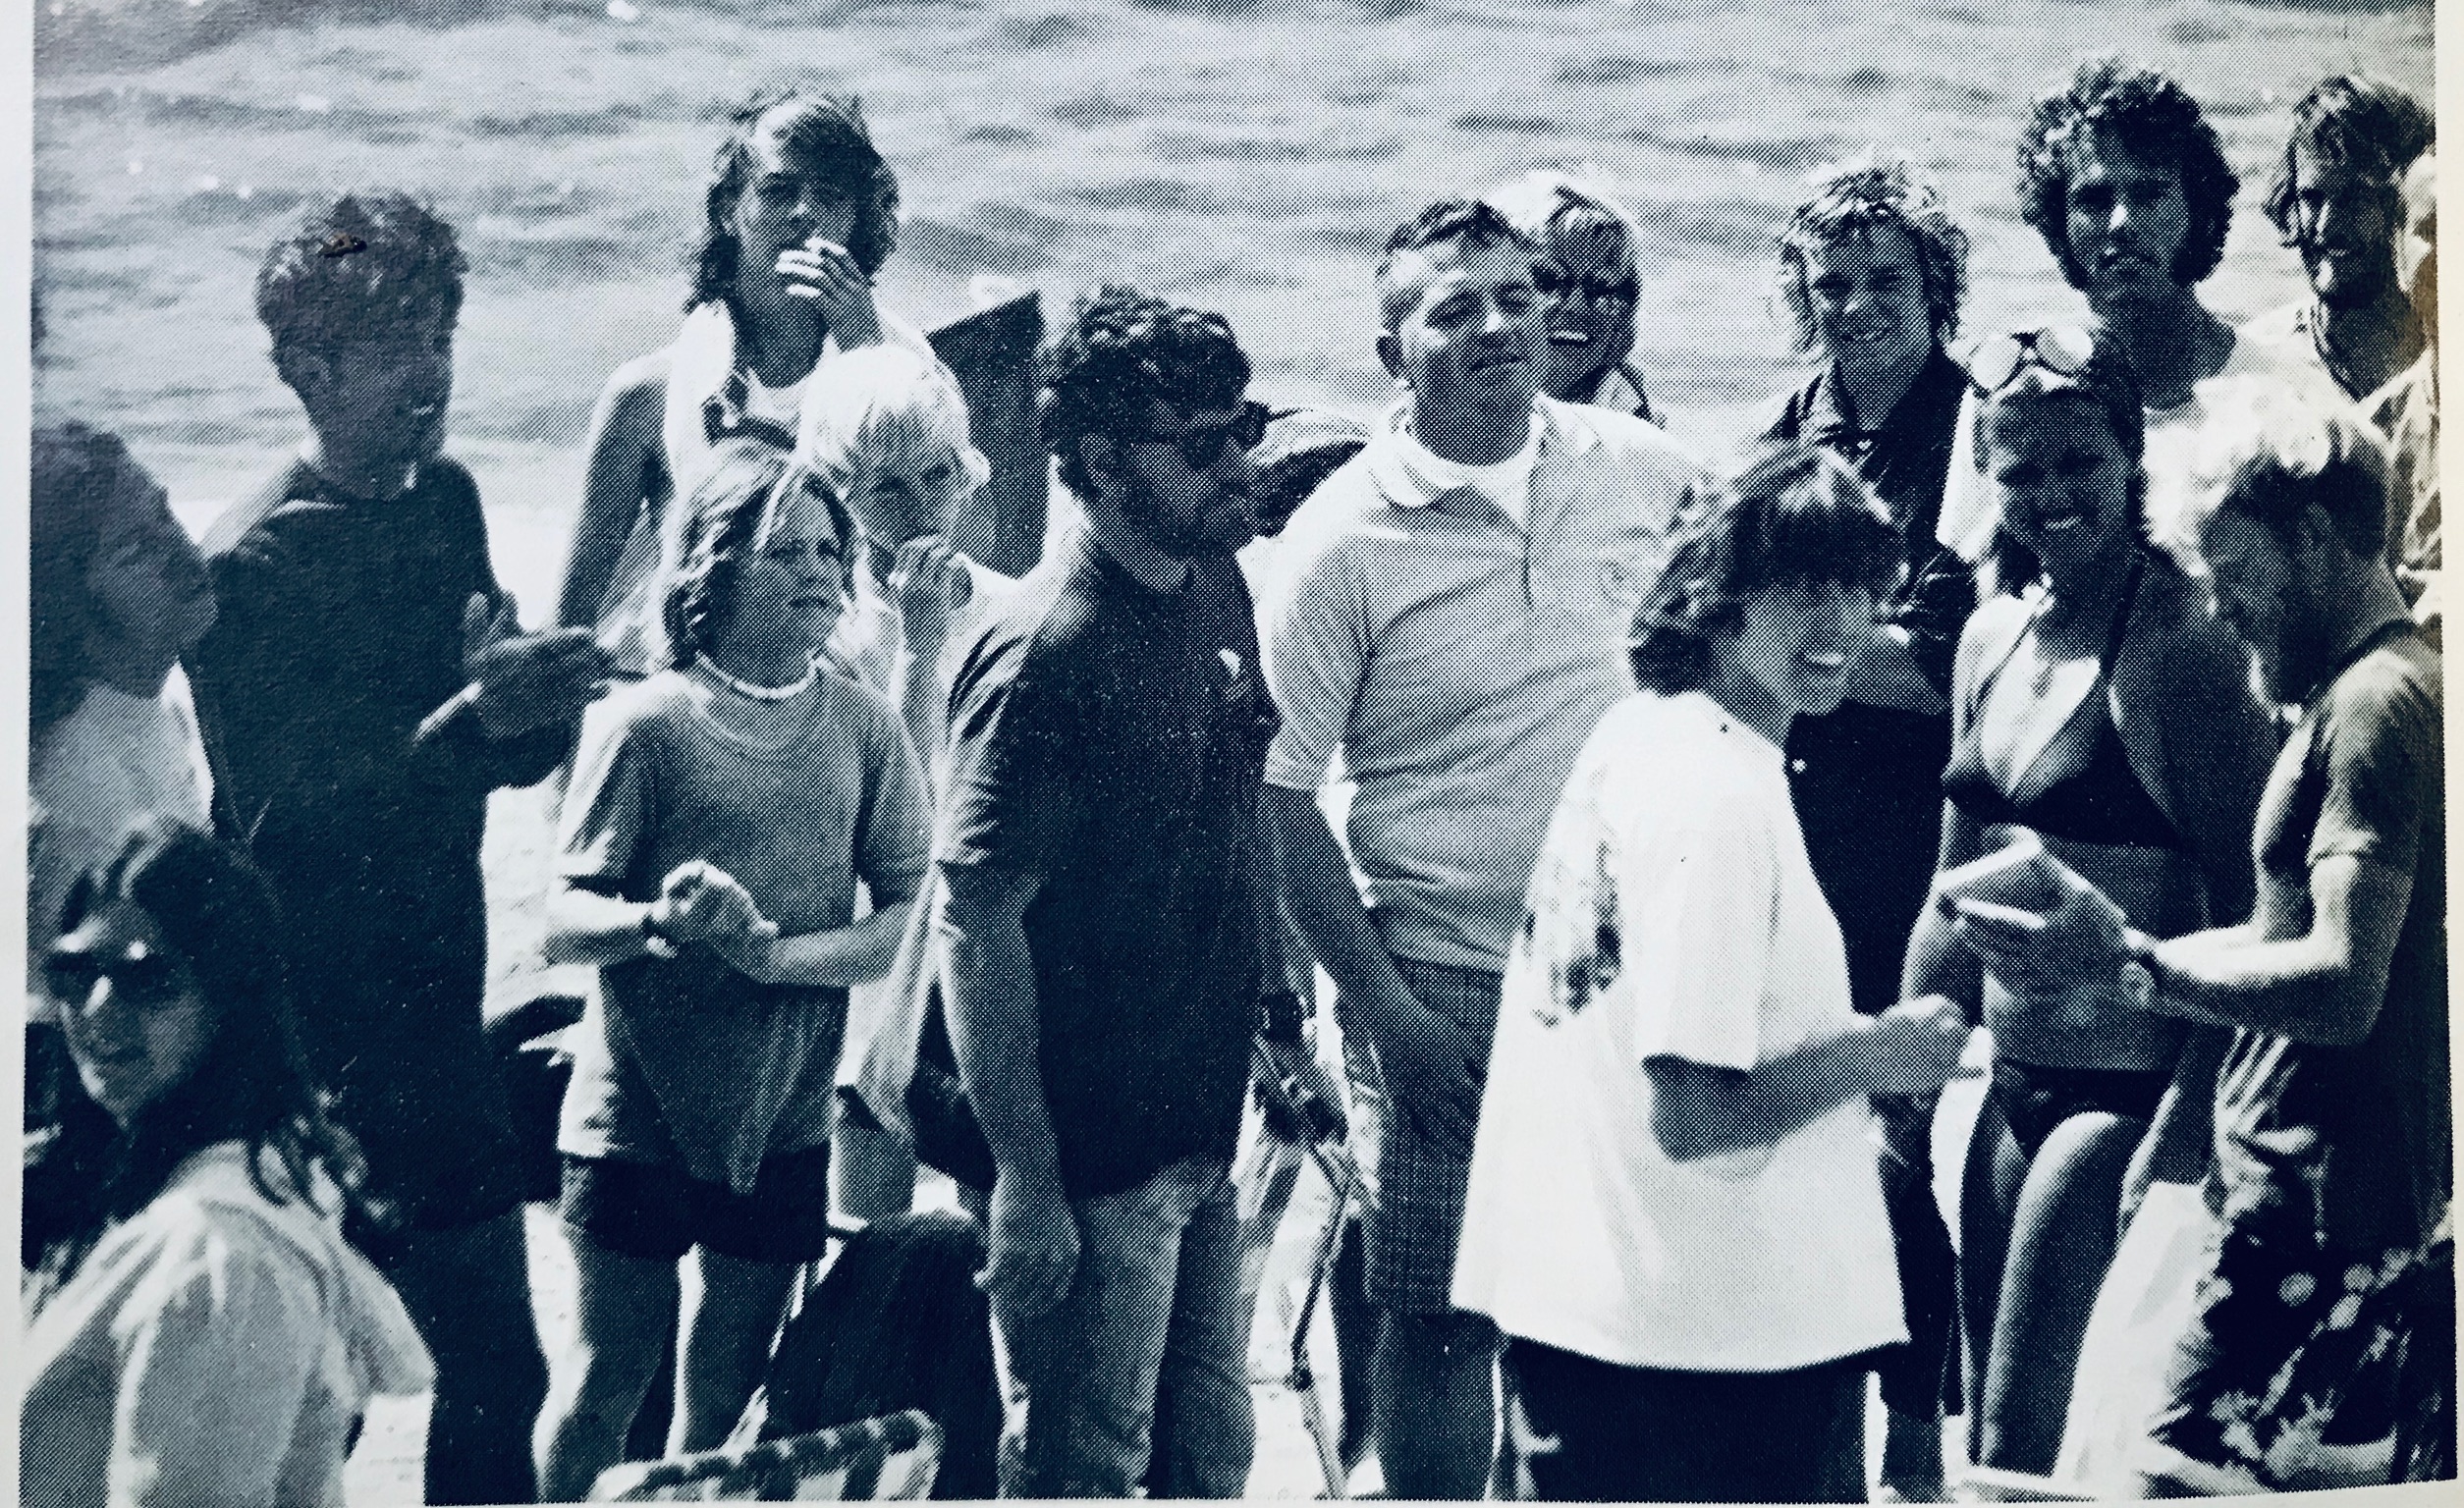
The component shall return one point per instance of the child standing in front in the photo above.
(720, 816)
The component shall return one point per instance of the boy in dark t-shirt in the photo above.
(2324, 1330)
(364, 689)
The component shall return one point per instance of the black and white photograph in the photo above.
(1673, 751)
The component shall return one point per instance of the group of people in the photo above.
(1665, 836)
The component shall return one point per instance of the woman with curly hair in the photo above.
(1675, 1213)
(800, 214)
(2099, 706)
(2124, 179)
(198, 1330)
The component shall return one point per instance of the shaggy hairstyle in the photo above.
(727, 521)
(1857, 199)
(2364, 124)
(1475, 223)
(1122, 353)
(2281, 455)
(2149, 116)
(251, 1084)
(2105, 384)
(1797, 514)
(367, 263)
(823, 134)
(884, 404)
(77, 477)
(1549, 204)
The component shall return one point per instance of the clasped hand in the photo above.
(700, 903)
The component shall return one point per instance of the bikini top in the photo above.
(2101, 801)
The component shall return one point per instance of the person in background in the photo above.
(118, 594)
(364, 687)
(2098, 706)
(889, 433)
(2336, 198)
(721, 815)
(1872, 269)
(197, 1331)
(1100, 919)
(1589, 274)
(2406, 411)
(800, 215)
(1674, 1211)
(1446, 617)
(2334, 1171)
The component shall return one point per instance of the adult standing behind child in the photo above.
(799, 214)
(720, 817)
(364, 687)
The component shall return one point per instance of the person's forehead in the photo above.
(1588, 243)
(117, 926)
(2232, 540)
(2325, 173)
(2098, 155)
(1867, 247)
(1439, 270)
(2035, 416)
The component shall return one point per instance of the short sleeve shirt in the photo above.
(684, 1060)
(1673, 914)
(1106, 739)
(2368, 1126)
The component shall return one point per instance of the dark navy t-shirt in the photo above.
(1108, 741)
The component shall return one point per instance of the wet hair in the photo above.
(1856, 199)
(252, 1082)
(726, 519)
(883, 405)
(1122, 352)
(2151, 117)
(2366, 126)
(826, 134)
(2105, 384)
(76, 478)
(367, 263)
(2275, 454)
(1475, 223)
(1797, 514)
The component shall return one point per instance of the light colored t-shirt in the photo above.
(1455, 661)
(685, 1062)
(212, 1351)
(1673, 913)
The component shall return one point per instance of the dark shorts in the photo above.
(2034, 1098)
(1595, 1432)
(660, 1213)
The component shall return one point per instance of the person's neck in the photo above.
(2356, 600)
(1751, 703)
(780, 344)
(2172, 341)
(1470, 438)
(2370, 342)
(1873, 392)
(375, 478)
(761, 664)
(1156, 569)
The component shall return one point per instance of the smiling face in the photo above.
(379, 399)
(788, 592)
(2126, 219)
(1470, 345)
(2343, 224)
(1867, 292)
(1797, 642)
(2062, 479)
(1590, 287)
(135, 1019)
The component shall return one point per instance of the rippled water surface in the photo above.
(1246, 157)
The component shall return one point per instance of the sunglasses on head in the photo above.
(148, 980)
(2060, 349)
(1202, 445)
(1596, 288)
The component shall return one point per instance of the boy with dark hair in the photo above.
(366, 686)
(1098, 929)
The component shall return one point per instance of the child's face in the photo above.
(790, 590)
(909, 495)
(378, 400)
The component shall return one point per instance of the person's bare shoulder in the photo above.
(637, 394)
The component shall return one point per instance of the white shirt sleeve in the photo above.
(1698, 892)
(1315, 648)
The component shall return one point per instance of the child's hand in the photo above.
(752, 951)
(697, 902)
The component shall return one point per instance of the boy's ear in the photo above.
(1101, 461)
(302, 371)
